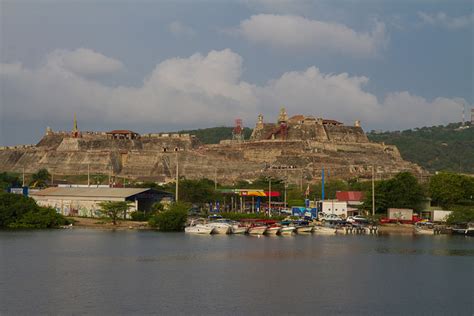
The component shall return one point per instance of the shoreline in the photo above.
(100, 223)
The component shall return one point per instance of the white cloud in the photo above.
(208, 90)
(179, 29)
(296, 33)
(83, 61)
(443, 20)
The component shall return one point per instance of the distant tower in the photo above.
(238, 131)
(357, 123)
(75, 131)
(283, 117)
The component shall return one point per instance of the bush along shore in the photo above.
(20, 212)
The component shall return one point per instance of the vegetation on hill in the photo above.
(214, 135)
(436, 148)
(18, 211)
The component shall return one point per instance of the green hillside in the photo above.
(214, 135)
(435, 148)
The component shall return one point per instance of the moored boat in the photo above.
(196, 228)
(199, 229)
(257, 230)
(287, 230)
(324, 230)
(466, 229)
(424, 228)
(239, 229)
(272, 230)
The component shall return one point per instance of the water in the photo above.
(82, 271)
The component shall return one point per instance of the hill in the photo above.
(436, 148)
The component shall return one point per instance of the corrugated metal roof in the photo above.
(91, 192)
(349, 195)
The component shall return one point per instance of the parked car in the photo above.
(330, 218)
(357, 219)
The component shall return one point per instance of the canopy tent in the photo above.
(250, 192)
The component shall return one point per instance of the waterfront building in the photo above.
(80, 201)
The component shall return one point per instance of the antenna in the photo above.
(238, 131)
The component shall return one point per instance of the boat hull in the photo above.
(199, 229)
(287, 230)
(257, 230)
(304, 229)
(272, 231)
(324, 231)
(239, 230)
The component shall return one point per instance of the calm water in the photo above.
(128, 272)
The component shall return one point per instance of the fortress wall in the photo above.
(346, 134)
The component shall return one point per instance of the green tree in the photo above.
(402, 191)
(448, 189)
(114, 209)
(9, 180)
(173, 219)
(40, 178)
(18, 211)
(461, 214)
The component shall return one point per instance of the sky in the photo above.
(157, 66)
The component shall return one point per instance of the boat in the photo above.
(287, 230)
(220, 228)
(424, 228)
(221, 225)
(324, 230)
(236, 229)
(257, 230)
(303, 227)
(272, 230)
(195, 228)
(464, 229)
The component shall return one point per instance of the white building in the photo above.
(334, 207)
(85, 201)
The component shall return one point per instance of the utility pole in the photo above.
(373, 191)
(88, 176)
(215, 179)
(177, 175)
(269, 196)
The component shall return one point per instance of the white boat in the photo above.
(424, 228)
(287, 230)
(466, 230)
(239, 229)
(220, 228)
(304, 229)
(272, 230)
(199, 229)
(257, 230)
(323, 230)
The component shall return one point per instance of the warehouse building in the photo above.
(80, 201)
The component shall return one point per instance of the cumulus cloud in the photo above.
(83, 61)
(443, 20)
(179, 29)
(208, 90)
(296, 33)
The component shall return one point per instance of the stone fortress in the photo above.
(295, 149)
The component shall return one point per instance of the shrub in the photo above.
(18, 211)
(172, 219)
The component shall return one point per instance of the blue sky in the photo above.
(167, 65)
